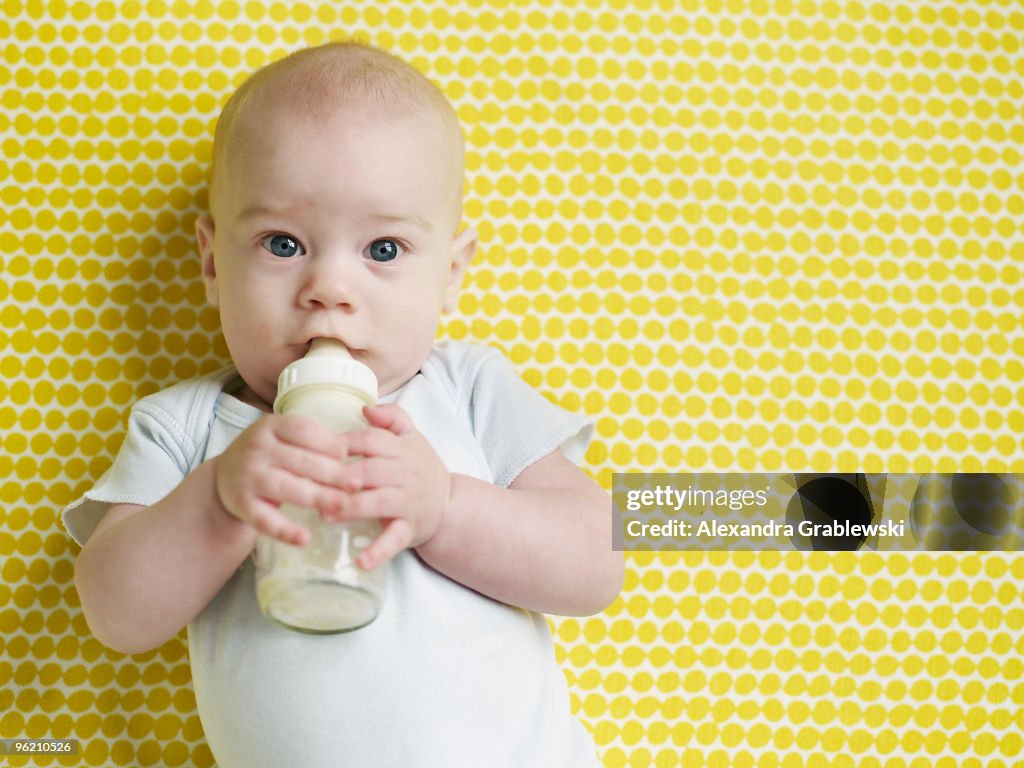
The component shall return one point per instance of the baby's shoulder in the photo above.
(458, 365)
(462, 354)
(184, 403)
(188, 389)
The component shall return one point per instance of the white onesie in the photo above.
(444, 677)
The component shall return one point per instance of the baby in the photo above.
(335, 211)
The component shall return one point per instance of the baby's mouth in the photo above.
(354, 351)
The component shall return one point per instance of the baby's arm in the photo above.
(544, 543)
(146, 572)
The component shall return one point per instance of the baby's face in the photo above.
(341, 227)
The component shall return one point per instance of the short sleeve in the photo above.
(515, 424)
(158, 451)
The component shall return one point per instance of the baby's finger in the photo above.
(390, 417)
(270, 521)
(286, 488)
(396, 536)
(318, 467)
(373, 442)
(305, 432)
(365, 474)
(371, 504)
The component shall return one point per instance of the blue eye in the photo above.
(284, 246)
(384, 250)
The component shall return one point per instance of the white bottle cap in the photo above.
(327, 362)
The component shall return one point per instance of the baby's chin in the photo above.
(391, 380)
(252, 397)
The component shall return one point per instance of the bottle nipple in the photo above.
(328, 347)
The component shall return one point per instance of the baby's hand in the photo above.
(401, 481)
(281, 460)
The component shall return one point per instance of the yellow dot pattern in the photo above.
(741, 235)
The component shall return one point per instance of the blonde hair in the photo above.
(338, 75)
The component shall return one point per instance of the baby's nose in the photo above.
(328, 286)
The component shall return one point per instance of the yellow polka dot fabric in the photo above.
(741, 235)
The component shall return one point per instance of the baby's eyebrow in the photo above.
(418, 221)
(256, 211)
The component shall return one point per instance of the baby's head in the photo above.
(313, 83)
(335, 203)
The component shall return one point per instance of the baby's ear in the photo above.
(204, 238)
(462, 250)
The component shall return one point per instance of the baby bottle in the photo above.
(319, 588)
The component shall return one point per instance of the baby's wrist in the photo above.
(444, 520)
(218, 509)
(446, 504)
